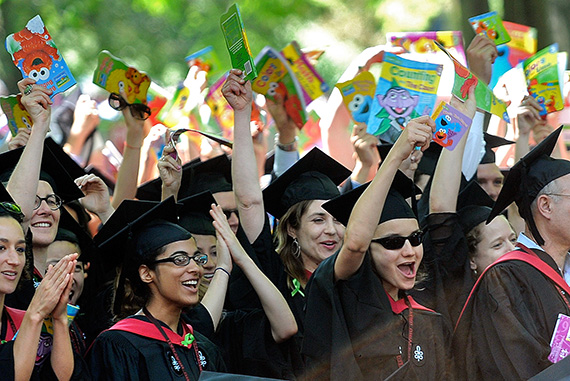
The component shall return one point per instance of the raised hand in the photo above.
(224, 232)
(417, 133)
(481, 55)
(37, 102)
(170, 169)
(96, 193)
(20, 140)
(237, 91)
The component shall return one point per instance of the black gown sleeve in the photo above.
(7, 360)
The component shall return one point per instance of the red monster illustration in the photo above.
(291, 102)
(440, 137)
(550, 104)
(483, 27)
(35, 53)
(465, 73)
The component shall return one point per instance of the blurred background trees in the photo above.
(156, 35)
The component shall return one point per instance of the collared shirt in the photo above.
(533, 245)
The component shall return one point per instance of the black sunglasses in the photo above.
(138, 110)
(182, 259)
(53, 201)
(229, 212)
(397, 242)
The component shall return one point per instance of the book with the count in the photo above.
(357, 95)
(544, 73)
(236, 42)
(463, 81)
(35, 54)
(16, 114)
(113, 75)
(450, 125)
(289, 74)
(491, 25)
(406, 90)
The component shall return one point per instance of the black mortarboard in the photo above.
(69, 230)
(526, 179)
(4, 195)
(195, 214)
(492, 141)
(473, 206)
(52, 171)
(428, 161)
(152, 190)
(395, 205)
(314, 177)
(214, 175)
(70, 165)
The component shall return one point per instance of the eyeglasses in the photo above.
(557, 194)
(12, 208)
(53, 201)
(229, 212)
(182, 259)
(397, 242)
(138, 110)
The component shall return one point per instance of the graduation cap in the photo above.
(527, 178)
(195, 214)
(314, 177)
(152, 190)
(473, 206)
(214, 175)
(70, 165)
(69, 230)
(395, 205)
(4, 195)
(492, 141)
(428, 161)
(52, 171)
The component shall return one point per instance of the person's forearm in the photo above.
(216, 295)
(26, 345)
(61, 358)
(126, 187)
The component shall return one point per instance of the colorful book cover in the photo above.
(405, 90)
(276, 77)
(491, 25)
(157, 99)
(560, 342)
(450, 125)
(522, 46)
(174, 109)
(222, 112)
(207, 60)
(35, 54)
(357, 95)
(236, 42)
(17, 116)
(310, 135)
(486, 100)
(112, 74)
(424, 42)
(312, 83)
(544, 73)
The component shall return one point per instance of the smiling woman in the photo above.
(161, 269)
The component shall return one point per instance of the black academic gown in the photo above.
(352, 332)
(449, 278)
(506, 328)
(122, 355)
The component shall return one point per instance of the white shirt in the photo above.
(533, 245)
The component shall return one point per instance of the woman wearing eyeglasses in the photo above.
(360, 323)
(20, 330)
(160, 276)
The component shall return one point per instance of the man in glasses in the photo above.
(507, 324)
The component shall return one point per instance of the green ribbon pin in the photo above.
(297, 289)
(188, 340)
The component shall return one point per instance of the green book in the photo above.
(236, 41)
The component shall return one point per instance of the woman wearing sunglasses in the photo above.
(160, 276)
(360, 323)
(20, 330)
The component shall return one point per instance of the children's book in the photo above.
(277, 77)
(522, 46)
(486, 100)
(544, 73)
(112, 74)
(222, 112)
(560, 342)
(34, 53)
(491, 25)
(406, 90)
(357, 95)
(17, 116)
(207, 60)
(236, 42)
(450, 125)
(423, 42)
(157, 99)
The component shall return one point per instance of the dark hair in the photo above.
(293, 264)
(474, 237)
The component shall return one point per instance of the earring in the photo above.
(296, 248)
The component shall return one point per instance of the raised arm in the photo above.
(367, 210)
(447, 176)
(245, 178)
(96, 198)
(170, 171)
(23, 182)
(365, 154)
(280, 317)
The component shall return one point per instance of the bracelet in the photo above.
(127, 145)
(221, 268)
(288, 147)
